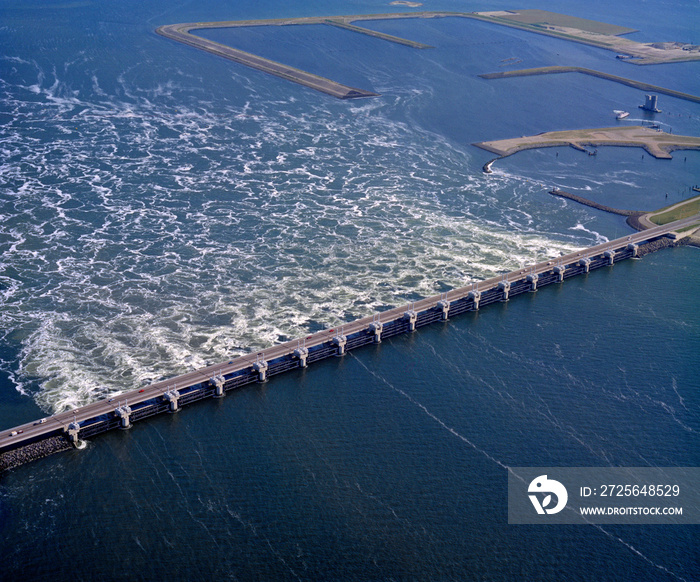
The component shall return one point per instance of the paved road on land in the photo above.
(645, 219)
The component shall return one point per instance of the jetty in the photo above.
(570, 28)
(592, 204)
(183, 33)
(556, 70)
(45, 436)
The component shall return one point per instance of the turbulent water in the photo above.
(161, 208)
(154, 228)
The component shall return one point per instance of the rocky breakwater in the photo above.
(632, 220)
(32, 452)
(586, 202)
(661, 243)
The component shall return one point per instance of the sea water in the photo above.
(162, 208)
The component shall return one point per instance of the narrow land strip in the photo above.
(541, 22)
(182, 32)
(287, 72)
(374, 33)
(593, 73)
(592, 204)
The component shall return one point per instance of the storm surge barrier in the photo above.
(37, 439)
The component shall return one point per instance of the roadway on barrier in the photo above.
(58, 423)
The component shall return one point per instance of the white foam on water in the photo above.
(600, 239)
(151, 232)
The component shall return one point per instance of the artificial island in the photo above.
(657, 143)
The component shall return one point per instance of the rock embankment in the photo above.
(659, 244)
(634, 222)
(12, 459)
(586, 202)
(487, 166)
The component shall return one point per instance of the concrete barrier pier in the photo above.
(24, 443)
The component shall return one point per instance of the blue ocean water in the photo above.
(161, 208)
